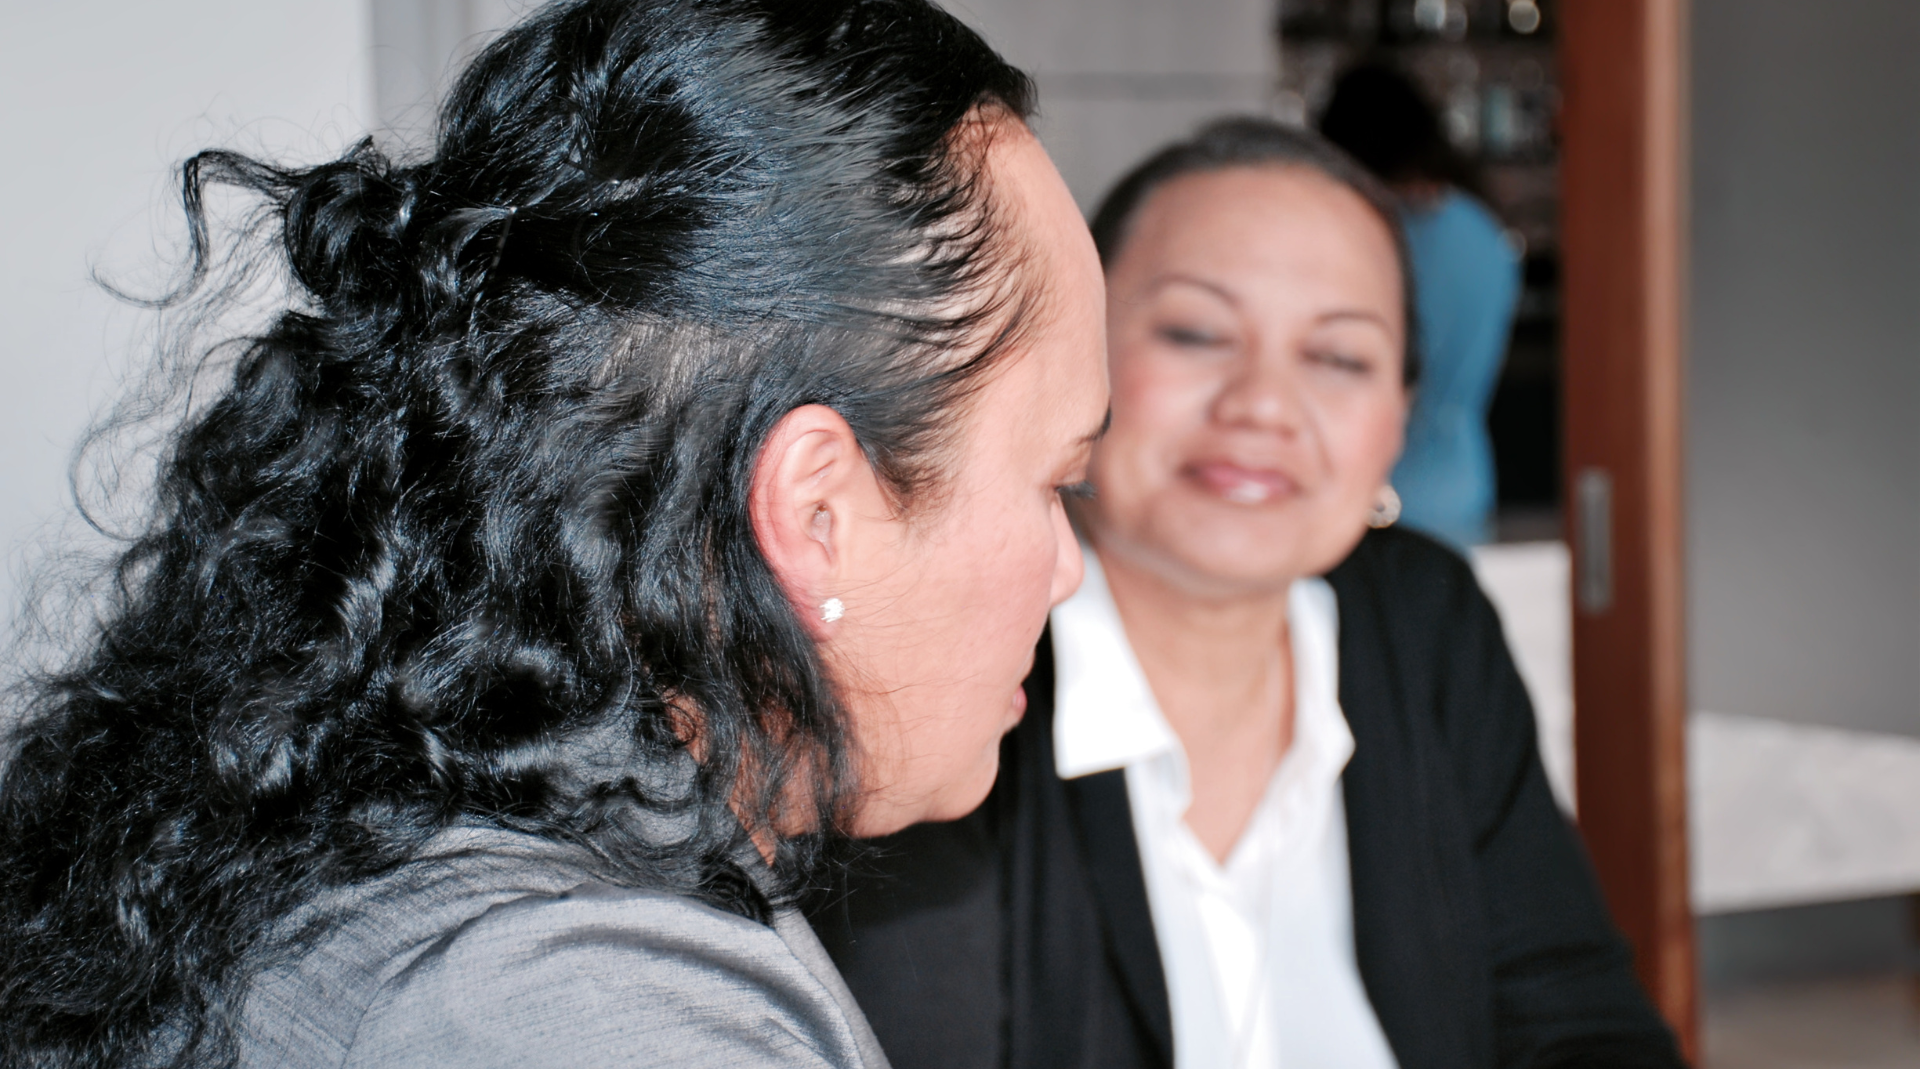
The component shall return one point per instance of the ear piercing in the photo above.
(831, 610)
(1386, 507)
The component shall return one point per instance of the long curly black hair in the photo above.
(465, 535)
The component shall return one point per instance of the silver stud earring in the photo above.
(1386, 507)
(831, 610)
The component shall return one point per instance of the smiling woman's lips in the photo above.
(1242, 486)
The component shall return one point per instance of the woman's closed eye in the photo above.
(1342, 361)
(1191, 337)
(1081, 491)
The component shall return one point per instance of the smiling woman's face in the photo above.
(1256, 335)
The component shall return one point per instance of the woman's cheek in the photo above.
(1040, 556)
(1017, 577)
(1361, 428)
(1383, 432)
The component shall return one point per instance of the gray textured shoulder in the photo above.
(609, 977)
(496, 949)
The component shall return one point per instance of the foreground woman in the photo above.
(1255, 817)
(657, 479)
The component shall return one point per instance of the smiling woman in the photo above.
(657, 479)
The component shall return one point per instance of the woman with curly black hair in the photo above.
(655, 481)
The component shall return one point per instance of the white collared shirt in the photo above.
(1258, 953)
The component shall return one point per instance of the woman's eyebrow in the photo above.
(1163, 281)
(1106, 424)
(1357, 315)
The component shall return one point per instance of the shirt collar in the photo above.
(1320, 731)
(1106, 717)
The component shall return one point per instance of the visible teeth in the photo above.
(1247, 493)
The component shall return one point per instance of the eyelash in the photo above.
(1080, 491)
(1195, 338)
(1342, 362)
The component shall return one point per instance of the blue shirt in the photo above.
(1466, 281)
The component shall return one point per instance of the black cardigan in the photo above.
(1021, 936)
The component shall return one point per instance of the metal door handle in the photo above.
(1593, 502)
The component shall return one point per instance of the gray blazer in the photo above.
(500, 949)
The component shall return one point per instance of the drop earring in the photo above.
(1386, 507)
(831, 610)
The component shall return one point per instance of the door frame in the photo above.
(1623, 187)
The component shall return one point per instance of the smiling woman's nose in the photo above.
(1261, 395)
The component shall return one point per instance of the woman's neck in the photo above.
(1221, 668)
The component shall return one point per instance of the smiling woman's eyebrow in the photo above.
(1163, 281)
(1356, 315)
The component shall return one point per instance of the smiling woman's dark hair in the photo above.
(1254, 142)
(465, 536)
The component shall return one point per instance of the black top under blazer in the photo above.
(1021, 936)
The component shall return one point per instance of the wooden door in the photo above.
(1623, 181)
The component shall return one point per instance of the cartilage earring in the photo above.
(1386, 507)
(832, 609)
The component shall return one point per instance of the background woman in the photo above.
(1255, 817)
(659, 477)
(1466, 282)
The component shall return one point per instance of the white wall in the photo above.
(1803, 412)
(418, 46)
(101, 100)
(1120, 78)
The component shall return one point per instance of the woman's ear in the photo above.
(811, 486)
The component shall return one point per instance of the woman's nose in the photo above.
(1069, 568)
(1262, 394)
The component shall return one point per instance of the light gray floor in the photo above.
(1846, 1023)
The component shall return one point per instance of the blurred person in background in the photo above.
(1466, 283)
(1277, 799)
(661, 476)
